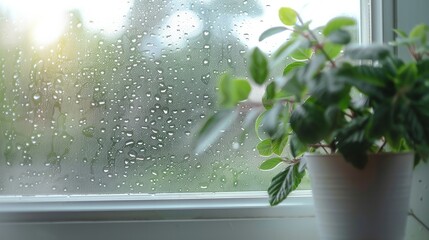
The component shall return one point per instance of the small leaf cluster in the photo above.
(334, 97)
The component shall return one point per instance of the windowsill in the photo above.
(245, 215)
(186, 206)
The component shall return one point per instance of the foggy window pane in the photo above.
(104, 97)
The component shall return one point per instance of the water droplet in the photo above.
(132, 154)
(129, 143)
(88, 131)
(36, 97)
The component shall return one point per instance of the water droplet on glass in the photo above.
(132, 154)
(36, 97)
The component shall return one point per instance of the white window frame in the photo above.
(237, 215)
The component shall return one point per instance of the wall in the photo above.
(410, 13)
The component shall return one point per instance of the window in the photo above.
(107, 102)
(99, 101)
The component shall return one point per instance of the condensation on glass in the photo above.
(105, 96)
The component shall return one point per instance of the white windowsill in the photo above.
(186, 206)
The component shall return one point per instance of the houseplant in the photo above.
(361, 107)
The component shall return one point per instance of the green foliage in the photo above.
(270, 32)
(211, 130)
(332, 49)
(271, 163)
(372, 52)
(292, 66)
(338, 96)
(258, 66)
(338, 23)
(265, 147)
(309, 123)
(301, 54)
(340, 37)
(284, 183)
(287, 16)
(232, 91)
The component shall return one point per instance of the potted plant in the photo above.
(357, 117)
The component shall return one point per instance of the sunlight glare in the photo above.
(48, 29)
(46, 20)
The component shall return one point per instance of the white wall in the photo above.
(410, 13)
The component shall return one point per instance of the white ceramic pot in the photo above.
(368, 204)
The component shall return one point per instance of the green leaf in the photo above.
(265, 147)
(292, 66)
(400, 33)
(270, 123)
(332, 49)
(248, 122)
(297, 148)
(270, 164)
(370, 80)
(309, 123)
(287, 16)
(415, 127)
(338, 23)
(270, 93)
(370, 52)
(284, 183)
(419, 32)
(316, 64)
(352, 142)
(407, 75)
(334, 117)
(250, 118)
(380, 120)
(370, 74)
(212, 129)
(329, 88)
(301, 54)
(279, 144)
(258, 124)
(340, 37)
(232, 91)
(271, 31)
(294, 87)
(258, 66)
(287, 48)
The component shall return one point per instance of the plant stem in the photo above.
(348, 115)
(382, 146)
(418, 219)
(318, 45)
(323, 146)
(292, 101)
(292, 161)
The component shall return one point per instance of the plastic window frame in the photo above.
(189, 206)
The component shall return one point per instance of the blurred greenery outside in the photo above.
(91, 113)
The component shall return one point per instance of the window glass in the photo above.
(105, 96)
